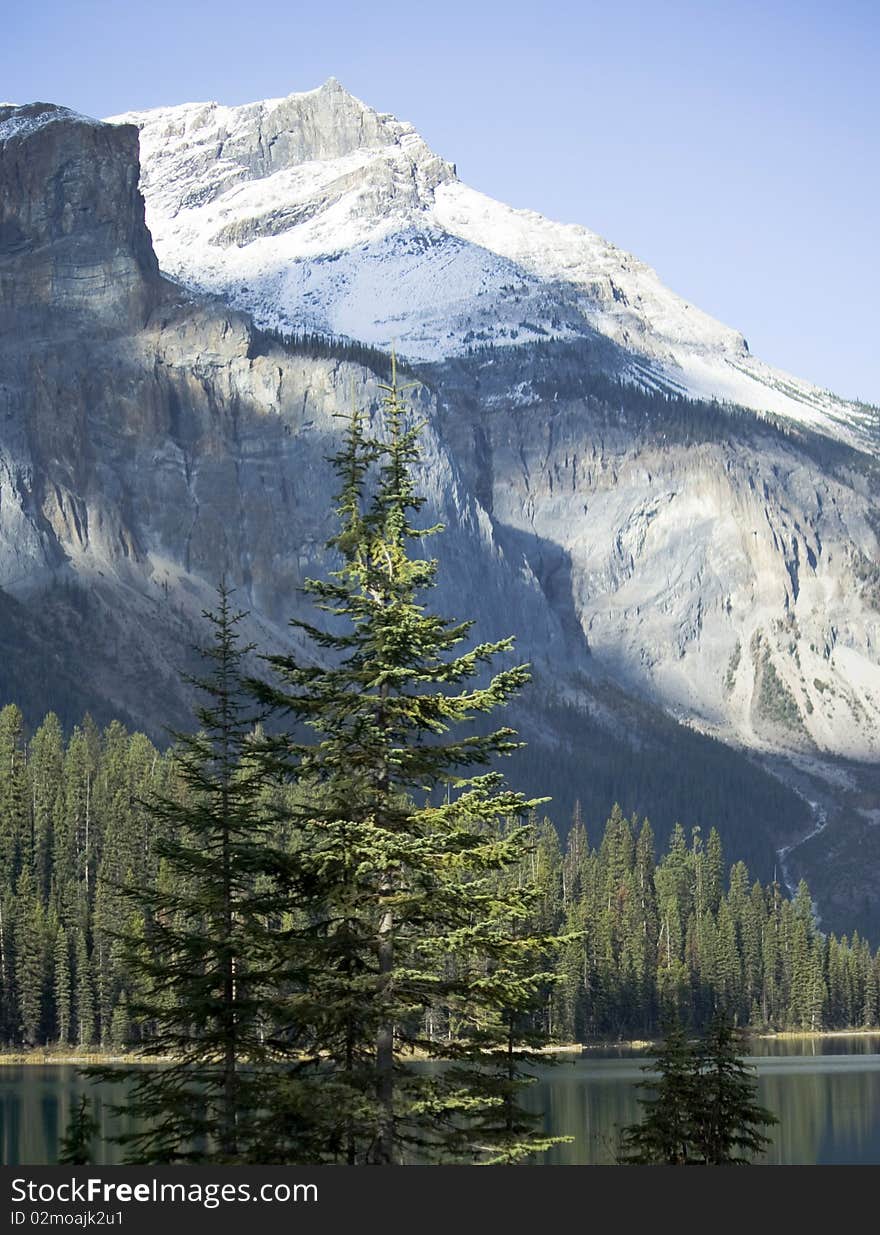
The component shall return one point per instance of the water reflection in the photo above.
(826, 1093)
(36, 1102)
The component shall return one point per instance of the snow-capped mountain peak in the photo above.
(316, 212)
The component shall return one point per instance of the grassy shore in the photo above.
(795, 1035)
(41, 1055)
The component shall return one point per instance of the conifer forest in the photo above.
(629, 926)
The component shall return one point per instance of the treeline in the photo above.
(314, 344)
(641, 937)
(651, 409)
(631, 931)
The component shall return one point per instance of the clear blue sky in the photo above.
(735, 146)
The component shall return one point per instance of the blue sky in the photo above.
(733, 146)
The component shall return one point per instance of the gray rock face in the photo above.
(317, 212)
(723, 569)
(204, 150)
(151, 444)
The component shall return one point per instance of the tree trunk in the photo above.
(384, 1150)
(384, 1153)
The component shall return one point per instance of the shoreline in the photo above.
(50, 1058)
(635, 1044)
(767, 1035)
(78, 1058)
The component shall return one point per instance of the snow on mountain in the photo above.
(316, 212)
(16, 121)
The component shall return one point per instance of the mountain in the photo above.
(683, 540)
(316, 212)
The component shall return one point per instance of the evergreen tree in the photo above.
(74, 834)
(63, 990)
(409, 921)
(199, 957)
(30, 949)
(45, 764)
(729, 976)
(16, 837)
(85, 994)
(727, 1118)
(667, 1131)
(574, 969)
(714, 871)
(702, 1109)
(646, 925)
(545, 873)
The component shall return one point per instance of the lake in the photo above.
(826, 1093)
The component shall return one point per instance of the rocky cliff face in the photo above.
(719, 567)
(735, 582)
(152, 443)
(72, 231)
(652, 555)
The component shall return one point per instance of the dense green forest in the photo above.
(641, 936)
(635, 928)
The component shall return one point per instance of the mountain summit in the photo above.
(316, 212)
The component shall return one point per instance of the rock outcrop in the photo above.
(153, 443)
(72, 232)
(315, 211)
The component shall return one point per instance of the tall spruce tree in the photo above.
(62, 987)
(85, 995)
(196, 952)
(30, 955)
(411, 938)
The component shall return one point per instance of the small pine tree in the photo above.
(76, 1144)
(702, 1109)
(666, 1133)
(194, 950)
(727, 1118)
